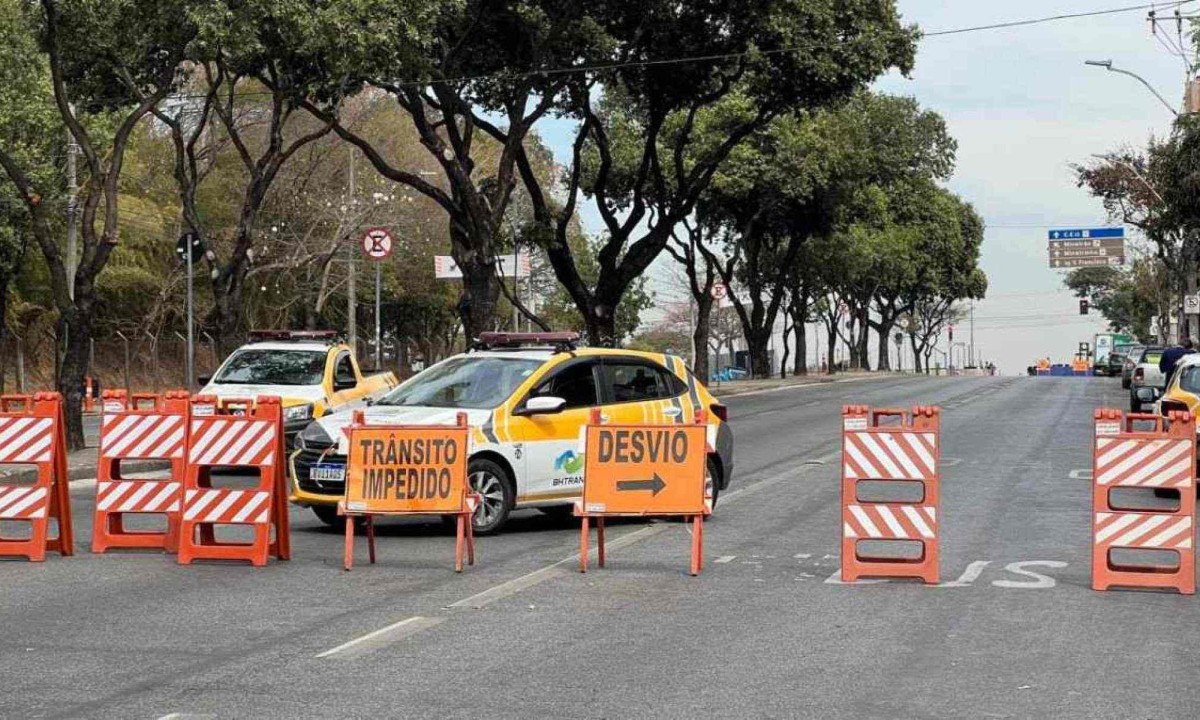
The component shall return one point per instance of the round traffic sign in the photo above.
(377, 243)
(189, 240)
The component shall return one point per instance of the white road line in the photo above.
(724, 559)
(407, 627)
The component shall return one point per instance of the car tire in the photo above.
(711, 477)
(497, 489)
(1124, 384)
(328, 515)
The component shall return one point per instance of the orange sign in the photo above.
(645, 469)
(407, 469)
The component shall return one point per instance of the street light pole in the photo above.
(1108, 65)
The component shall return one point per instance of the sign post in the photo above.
(408, 470)
(644, 470)
(190, 250)
(377, 245)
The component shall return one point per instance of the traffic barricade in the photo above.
(1161, 457)
(139, 427)
(407, 470)
(906, 450)
(644, 470)
(243, 435)
(32, 432)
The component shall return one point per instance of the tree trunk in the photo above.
(74, 369)
(787, 351)
(912, 339)
(3, 332)
(601, 322)
(480, 295)
(759, 345)
(700, 335)
(801, 362)
(885, 337)
(831, 330)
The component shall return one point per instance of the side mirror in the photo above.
(204, 379)
(544, 405)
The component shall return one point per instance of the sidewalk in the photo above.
(81, 465)
(747, 387)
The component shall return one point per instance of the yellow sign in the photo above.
(645, 469)
(406, 469)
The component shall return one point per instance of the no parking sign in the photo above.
(377, 243)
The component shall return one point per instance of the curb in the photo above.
(717, 392)
(88, 472)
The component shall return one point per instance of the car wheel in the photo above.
(1134, 405)
(328, 515)
(492, 483)
(711, 486)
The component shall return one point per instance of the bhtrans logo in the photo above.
(571, 463)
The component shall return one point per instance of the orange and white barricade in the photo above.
(251, 440)
(644, 470)
(32, 432)
(404, 470)
(906, 451)
(141, 427)
(1160, 458)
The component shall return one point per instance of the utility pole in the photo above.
(351, 289)
(72, 252)
(971, 355)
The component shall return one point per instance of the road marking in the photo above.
(724, 559)
(836, 579)
(391, 633)
(802, 556)
(970, 575)
(1038, 582)
(1080, 474)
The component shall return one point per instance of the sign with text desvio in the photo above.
(645, 469)
(406, 469)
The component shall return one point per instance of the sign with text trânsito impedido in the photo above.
(398, 469)
(645, 469)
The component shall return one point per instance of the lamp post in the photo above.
(1108, 65)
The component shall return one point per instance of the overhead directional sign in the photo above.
(1086, 233)
(645, 469)
(1086, 247)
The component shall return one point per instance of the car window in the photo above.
(575, 383)
(466, 381)
(272, 367)
(343, 372)
(1152, 357)
(1189, 379)
(634, 381)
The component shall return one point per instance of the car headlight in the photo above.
(296, 413)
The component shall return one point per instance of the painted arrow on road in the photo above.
(654, 485)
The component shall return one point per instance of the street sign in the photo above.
(1086, 233)
(377, 243)
(444, 267)
(189, 239)
(719, 291)
(1191, 304)
(645, 469)
(395, 469)
(1078, 262)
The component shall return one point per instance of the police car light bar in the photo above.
(297, 335)
(565, 340)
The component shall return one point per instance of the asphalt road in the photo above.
(1013, 630)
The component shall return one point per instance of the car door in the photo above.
(553, 460)
(345, 376)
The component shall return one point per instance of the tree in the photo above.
(101, 89)
(476, 71)
(647, 146)
(1127, 297)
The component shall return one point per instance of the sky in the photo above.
(1023, 107)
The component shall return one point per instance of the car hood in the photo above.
(334, 423)
(288, 394)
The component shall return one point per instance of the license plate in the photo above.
(327, 472)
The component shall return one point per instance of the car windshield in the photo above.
(1152, 357)
(467, 382)
(273, 367)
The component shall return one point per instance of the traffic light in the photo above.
(1083, 306)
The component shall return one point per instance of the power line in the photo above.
(1056, 18)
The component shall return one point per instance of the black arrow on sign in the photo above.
(654, 485)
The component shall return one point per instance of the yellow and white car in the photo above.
(527, 397)
(1182, 391)
(311, 372)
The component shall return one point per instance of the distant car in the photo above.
(1112, 365)
(1132, 357)
(1147, 382)
(527, 396)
